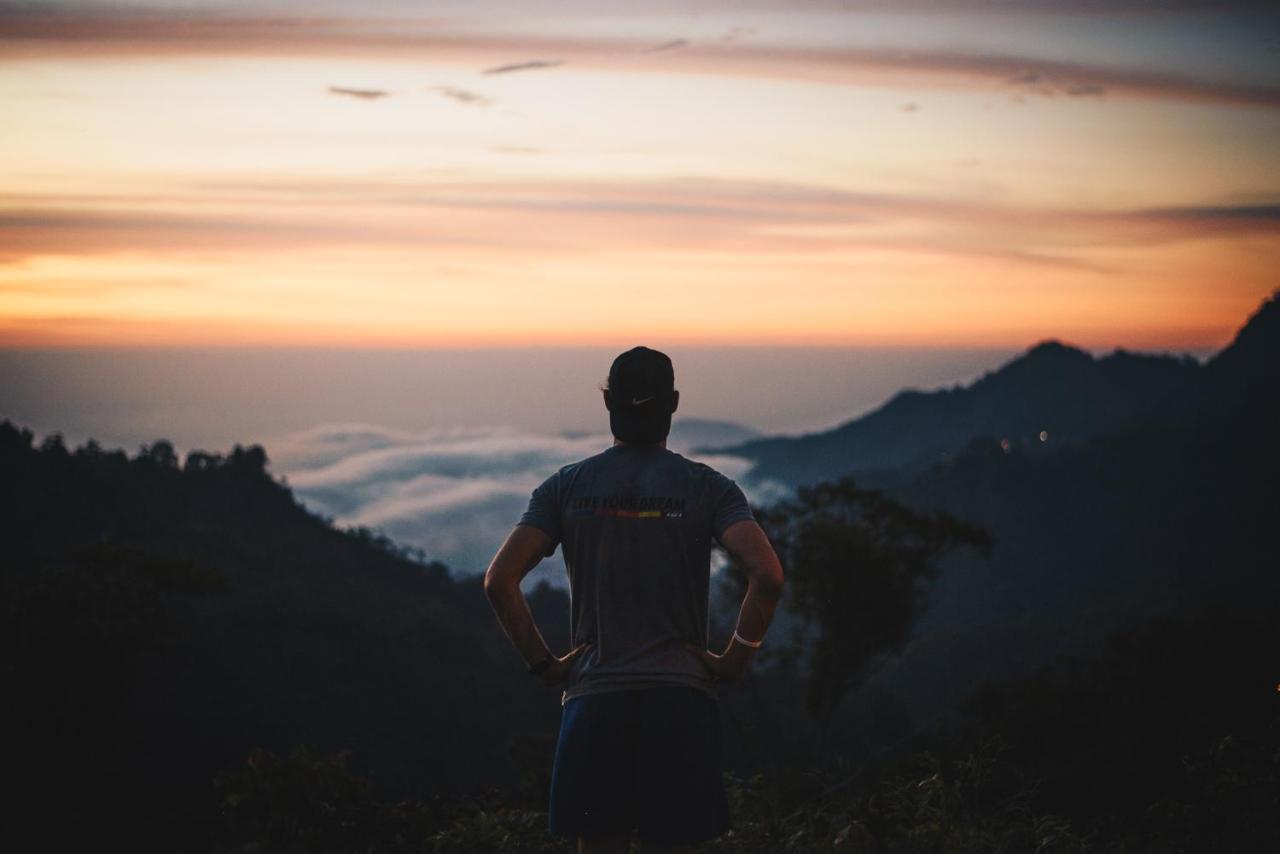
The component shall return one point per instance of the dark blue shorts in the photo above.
(643, 761)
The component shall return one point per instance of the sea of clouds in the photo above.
(456, 493)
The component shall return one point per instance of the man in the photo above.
(640, 741)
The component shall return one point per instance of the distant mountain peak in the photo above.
(1053, 390)
(1052, 395)
(1052, 348)
(1049, 358)
(1049, 345)
(1250, 364)
(696, 433)
(1262, 326)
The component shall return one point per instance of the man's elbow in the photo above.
(769, 584)
(497, 587)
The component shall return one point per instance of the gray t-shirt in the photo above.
(636, 524)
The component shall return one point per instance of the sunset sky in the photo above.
(975, 173)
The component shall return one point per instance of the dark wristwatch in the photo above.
(537, 669)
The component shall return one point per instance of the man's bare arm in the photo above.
(524, 547)
(750, 548)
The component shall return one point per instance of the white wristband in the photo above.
(753, 644)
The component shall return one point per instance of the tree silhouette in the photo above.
(160, 453)
(858, 566)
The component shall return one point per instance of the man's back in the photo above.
(639, 744)
(635, 523)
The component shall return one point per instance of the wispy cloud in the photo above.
(35, 31)
(465, 96)
(734, 35)
(1084, 89)
(530, 65)
(669, 45)
(1246, 216)
(1040, 83)
(97, 230)
(753, 218)
(359, 94)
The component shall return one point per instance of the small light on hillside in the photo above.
(1044, 435)
(1004, 445)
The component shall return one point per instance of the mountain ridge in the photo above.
(1053, 387)
(1171, 514)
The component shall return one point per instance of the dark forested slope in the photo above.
(1106, 533)
(161, 620)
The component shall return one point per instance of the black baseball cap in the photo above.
(641, 395)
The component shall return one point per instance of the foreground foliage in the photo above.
(978, 803)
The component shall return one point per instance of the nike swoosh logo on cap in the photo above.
(636, 401)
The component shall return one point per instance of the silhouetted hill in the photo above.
(697, 432)
(1104, 533)
(162, 620)
(1241, 381)
(1054, 388)
(1255, 351)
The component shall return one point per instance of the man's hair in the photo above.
(641, 396)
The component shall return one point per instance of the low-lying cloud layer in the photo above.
(454, 494)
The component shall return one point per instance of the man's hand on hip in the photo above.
(558, 671)
(728, 667)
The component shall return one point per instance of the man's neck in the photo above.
(618, 441)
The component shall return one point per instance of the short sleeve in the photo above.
(543, 511)
(731, 506)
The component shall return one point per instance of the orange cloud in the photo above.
(705, 215)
